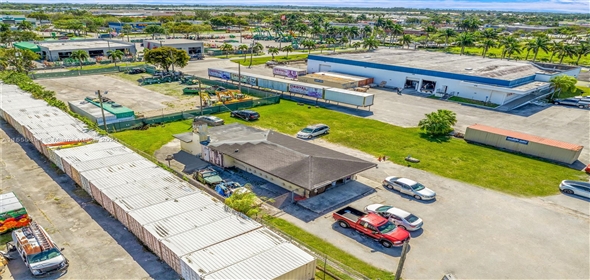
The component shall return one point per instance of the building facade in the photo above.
(62, 49)
(193, 48)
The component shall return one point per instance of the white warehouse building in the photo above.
(489, 80)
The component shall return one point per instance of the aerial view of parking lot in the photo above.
(142, 141)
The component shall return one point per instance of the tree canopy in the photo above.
(164, 57)
(438, 123)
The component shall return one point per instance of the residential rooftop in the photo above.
(82, 44)
(442, 62)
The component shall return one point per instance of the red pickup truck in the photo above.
(372, 225)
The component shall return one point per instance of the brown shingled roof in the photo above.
(528, 137)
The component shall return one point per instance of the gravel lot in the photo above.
(97, 245)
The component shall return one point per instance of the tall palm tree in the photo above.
(80, 55)
(567, 50)
(540, 43)
(288, 49)
(429, 29)
(406, 40)
(243, 48)
(486, 44)
(367, 31)
(512, 47)
(465, 39)
(489, 33)
(331, 41)
(448, 33)
(583, 49)
(396, 30)
(227, 48)
(555, 48)
(510, 44)
(343, 41)
(309, 44)
(273, 51)
(529, 46)
(114, 55)
(356, 45)
(353, 32)
(127, 28)
(370, 43)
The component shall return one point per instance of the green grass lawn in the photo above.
(172, 89)
(102, 66)
(471, 101)
(451, 158)
(264, 59)
(542, 56)
(326, 247)
(583, 91)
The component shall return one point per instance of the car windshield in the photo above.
(418, 187)
(43, 256)
(383, 208)
(411, 218)
(214, 118)
(387, 227)
(307, 130)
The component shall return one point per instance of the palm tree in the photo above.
(302, 28)
(80, 55)
(367, 30)
(273, 51)
(243, 48)
(465, 39)
(353, 32)
(567, 50)
(114, 55)
(562, 83)
(540, 43)
(127, 30)
(343, 40)
(583, 49)
(396, 30)
(486, 44)
(356, 45)
(512, 47)
(371, 43)
(429, 29)
(529, 46)
(288, 49)
(226, 48)
(309, 44)
(448, 33)
(331, 41)
(489, 33)
(25, 25)
(406, 40)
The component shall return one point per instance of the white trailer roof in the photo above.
(342, 75)
(350, 92)
(207, 235)
(152, 197)
(270, 264)
(224, 254)
(107, 178)
(9, 202)
(177, 224)
(142, 167)
(92, 152)
(102, 162)
(162, 182)
(290, 68)
(173, 207)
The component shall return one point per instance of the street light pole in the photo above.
(400, 265)
(104, 120)
(200, 96)
(240, 77)
(251, 53)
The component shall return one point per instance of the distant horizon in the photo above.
(544, 6)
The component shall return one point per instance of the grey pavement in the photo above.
(97, 245)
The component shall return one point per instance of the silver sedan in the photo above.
(575, 187)
(397, 216)
(409, 187)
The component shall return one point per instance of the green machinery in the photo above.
(189, 80)
(196, 90)
(158, 80)
(262, 34)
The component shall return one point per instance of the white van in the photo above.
(38, 250)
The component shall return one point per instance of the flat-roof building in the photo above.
(193, 48)
(62, 49)
(489, 80)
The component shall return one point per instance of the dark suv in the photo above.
(247, 115)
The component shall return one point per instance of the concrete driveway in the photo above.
(472, 232)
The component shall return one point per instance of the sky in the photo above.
(569, 6)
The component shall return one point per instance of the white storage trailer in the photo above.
(289, 72)
(310, 90)
(104, 160)
(359, 99)
(272, 83)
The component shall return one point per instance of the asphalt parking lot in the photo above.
(97, 245)
(472, 232)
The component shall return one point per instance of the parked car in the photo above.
(409, 187)
(372, 225)
(40, 254)
(397, 216)
(136, 71)
(571, 102)
(313, 131)
(575, 187)
(207, 176)
(247, 115)
(209, 120)
(587, 169)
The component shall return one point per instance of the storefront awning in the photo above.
(27, 46)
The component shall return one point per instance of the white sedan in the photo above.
(397, 216)
(409, 187)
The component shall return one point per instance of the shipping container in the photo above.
(219, 73)
(307, 89)
(121, 207)
(288, 72)
(138, 218)
(349, 97)
(246, 79)
(153, 233)
(328, 81)
(162, 181)
(274, 84)
(196, 265)
(82, 166)
(175, 247)
(361, 81)
(285, 261)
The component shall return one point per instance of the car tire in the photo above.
(402, 227)
(417, 197)
(555, 102)
(389, 186)
(232, 115)
(343, 224)
(568, 191)
(310, 136)
(581, 106)
(386, 243)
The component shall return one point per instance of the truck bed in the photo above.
(350, 213)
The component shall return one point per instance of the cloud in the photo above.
(570, 6)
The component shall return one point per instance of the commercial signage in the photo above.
(516, 140)
(305, 90)
(285, 72)
(245, 79)
(219, 74)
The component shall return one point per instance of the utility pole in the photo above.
(104, 120)
(240, 77)
(400, 265)
(200, 96)
(251, 53)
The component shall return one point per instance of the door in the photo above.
(585, 191)
(368, 229)
(407, 189)
(396, 220)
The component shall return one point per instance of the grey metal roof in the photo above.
(304, 164)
